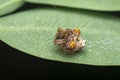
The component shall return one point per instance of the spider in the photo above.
(69, 40)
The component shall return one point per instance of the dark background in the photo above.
(15, 64)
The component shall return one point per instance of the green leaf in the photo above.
(100, 5)
(33, 32)
(7, 6)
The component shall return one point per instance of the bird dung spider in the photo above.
(69, 40)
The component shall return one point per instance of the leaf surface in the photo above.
(100, 5)
(33, 32)
(7, 6)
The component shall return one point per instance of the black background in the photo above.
(15, 64)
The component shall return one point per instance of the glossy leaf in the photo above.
(101, 5)
(33, 32)
(7, 6)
